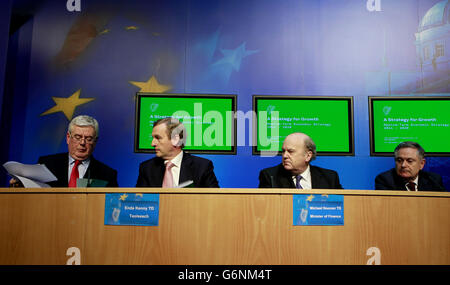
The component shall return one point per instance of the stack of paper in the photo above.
(31, 175)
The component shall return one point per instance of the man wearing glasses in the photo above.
(81, 138)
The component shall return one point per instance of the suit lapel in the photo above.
(317, 179)
(424, 184)
(285, 179)
(185, 168)
(399, 182)
(90, 171)
(286, 182)
(62, 173)
(157, 173)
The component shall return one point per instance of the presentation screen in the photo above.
(425, 120)
(327, 120)
(209, 120)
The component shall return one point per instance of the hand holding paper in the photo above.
(31, 175)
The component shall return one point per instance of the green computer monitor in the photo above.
(327, 120)
(422, 119)
(208, 118)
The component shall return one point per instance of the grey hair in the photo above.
(310, 145)
(84, 121)
(410, 144)
(307, 142)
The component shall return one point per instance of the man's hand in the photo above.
(15, 184)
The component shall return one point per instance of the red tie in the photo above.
(74, 175)
(411, 186)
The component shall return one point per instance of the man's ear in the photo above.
(67, 137)
(308, 156)
(422, 164)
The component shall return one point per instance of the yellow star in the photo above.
(67, 105)
(123, 197)
(139, 195)
(152, 85)
(105, 31)
(310, 198)
(131, 28)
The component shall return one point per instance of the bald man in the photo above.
(295, 171)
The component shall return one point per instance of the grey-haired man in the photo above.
(78, 162)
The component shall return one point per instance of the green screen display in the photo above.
(425, 120)
(208, 120)
(327, 120)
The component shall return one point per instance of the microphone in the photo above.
(272, 182)
(89, 177)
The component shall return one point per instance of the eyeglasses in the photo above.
(79, 138)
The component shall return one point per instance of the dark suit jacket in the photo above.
(197, 169)
(58, 164)
(278, 177)
(428, 181)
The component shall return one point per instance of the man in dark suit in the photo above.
(295, 171)
(78, 162)
(172, 167)
(96, 170)
(408, 173)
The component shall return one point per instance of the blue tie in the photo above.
(297, 180)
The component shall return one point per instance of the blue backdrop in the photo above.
(94, 61)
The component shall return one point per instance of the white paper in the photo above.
(31, 175)
(28, 183)
(185, 184)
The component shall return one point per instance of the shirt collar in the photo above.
(306, 175)
(176, 160)
(416, 181)
(84, 162)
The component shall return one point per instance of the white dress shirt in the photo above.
(305, 182)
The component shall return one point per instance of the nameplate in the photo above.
(318, 210)
(131, 209)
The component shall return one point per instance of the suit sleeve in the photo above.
(337, 183)
(382, 184)
(113, 181)
(209, 179)
(437, 182)
(141, 181)
(264, 180)
(441, 183)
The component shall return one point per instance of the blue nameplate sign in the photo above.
(318, 210)
(130, 209)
